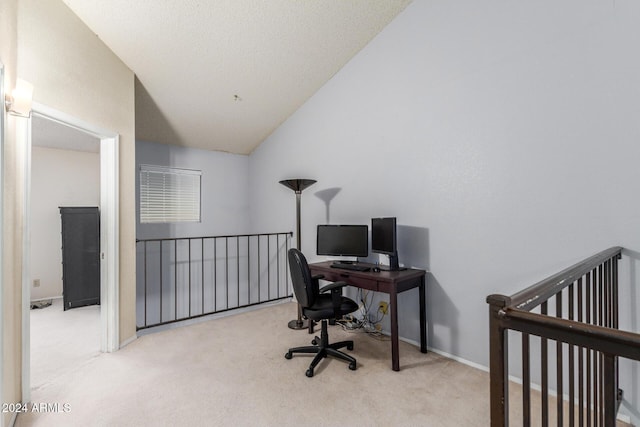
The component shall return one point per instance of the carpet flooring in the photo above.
(231, 371)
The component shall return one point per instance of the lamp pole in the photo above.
(298, 185)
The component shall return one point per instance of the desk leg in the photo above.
(395, 356)
(423, 316)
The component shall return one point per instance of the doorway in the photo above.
(65, 182)
(109, 231)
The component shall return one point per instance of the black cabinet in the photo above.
(80, 256)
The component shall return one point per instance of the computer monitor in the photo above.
(343, 240)
(384, 239)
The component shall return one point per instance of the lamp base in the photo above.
(298, 324)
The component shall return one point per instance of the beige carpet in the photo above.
(62, 340)
(232, 372)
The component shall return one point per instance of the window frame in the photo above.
(176, 196)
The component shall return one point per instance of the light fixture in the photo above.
(19, 102)
(297, 185)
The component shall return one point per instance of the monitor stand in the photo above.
(393, 264)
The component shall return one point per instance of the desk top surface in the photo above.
(385, 276)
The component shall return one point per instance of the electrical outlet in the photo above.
(36, 283)
(383, 306)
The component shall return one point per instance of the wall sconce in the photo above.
(19, 102)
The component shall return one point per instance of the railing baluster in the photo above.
(286, 260)
(588, 370)
(201, 276)
(161, 273)
(601, 300)
(580, 361)
(544, 356)
(526, 381)
(268, 267)
(615, 309)
(189, 272)
(559, 371)
(249, 269)
(596, 319)
(607, 295)
(572, 379)
(175, 279)
(238, 266)
(601, 387)
(145, 283)
(215, 274)
(226, 268)
(615, 295)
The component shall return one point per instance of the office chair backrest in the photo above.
(305, 288)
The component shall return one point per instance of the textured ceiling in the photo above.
(224, 74)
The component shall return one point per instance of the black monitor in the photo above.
(343, 240)
(384, 239)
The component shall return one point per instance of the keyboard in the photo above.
(352, 267)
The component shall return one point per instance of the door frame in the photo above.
(109, 233)
(2, 136)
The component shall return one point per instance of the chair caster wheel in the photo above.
(350, 347)
(314, 342)
(288, 355)
(352, 366)
(309, 372)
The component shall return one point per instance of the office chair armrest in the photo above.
(336, 293)
(317, 277)
(332, 286)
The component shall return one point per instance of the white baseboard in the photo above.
(443, 353)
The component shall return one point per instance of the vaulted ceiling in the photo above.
(224, 74)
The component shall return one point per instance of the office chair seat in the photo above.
(317, 304)
(323, 308)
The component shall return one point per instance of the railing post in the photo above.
(498, 361)
(610, 390)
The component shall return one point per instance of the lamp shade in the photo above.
(297, 185)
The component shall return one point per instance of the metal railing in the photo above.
(189, 277)
(577, 309)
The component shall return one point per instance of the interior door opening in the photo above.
(107, 143)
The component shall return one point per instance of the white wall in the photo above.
(254, 267)
(503, 136)
(224, 190)
(59, 178)
(74, 72)
(10, 296)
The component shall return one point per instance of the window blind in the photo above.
(169, 194)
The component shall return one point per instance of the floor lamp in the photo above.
(298, 185)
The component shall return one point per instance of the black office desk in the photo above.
(390, 282)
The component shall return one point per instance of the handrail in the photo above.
(599, 338)
(228, 236)
(535, 294)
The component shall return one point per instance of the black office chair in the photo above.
(318, 305)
